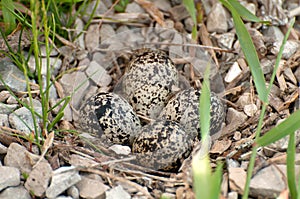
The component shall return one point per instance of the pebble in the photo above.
(12, 76)
(4, 120)
(289, 49)
(10, 176)
(217, 19)
(98, 74)
(54, 64)
(15, 192)
(268, 181)
(21, 119)
(91, 188)
(250, 109)
(106, 32)
(233, 72)
(70, 82)
(19, 157)
(7, 108)
(226, 40)
(3, 149)
(117, 192)
(39, 178)
(120, 149)
(73, 192)
(79, 25)
(274, 33)
(92, 37)
(62, 179)
(179, 12)
(235, 117)
(134, 8)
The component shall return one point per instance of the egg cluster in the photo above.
(148, 86)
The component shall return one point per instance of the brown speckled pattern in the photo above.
(161, 145)
(184, 108)
(111, 117)
(148, 81)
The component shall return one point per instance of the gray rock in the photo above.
(53, 51)
(4, 95)
(3, 149)
(273, 32)
(92, 37)
(21, 119)
(19, 157)
(217, 19)
(106, 32)
(235, 117)
(179, 12)
(163, 5)
(75, 84)
(73, 192)
(176, 51)
(289, 49)
(120, 149)
(12, 76)
(62, 179)
(268, 183)
(39, 178)
(226, 40)
(15, 192)
(7, 108)
(101, 9)
(134, 8)
(35, 103)
(90, 188)
(4, 120)
(79, 25)
(10, 176)
(117, 192)
(55, 64)
(98, 74)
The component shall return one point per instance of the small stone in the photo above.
(54, 64)
(4, 95)
(70, 82)
(62, 179)
(79, 161)
(7, 108)
(98, 74)
(73, 192)
(4, 120)
(117, 192)
(237, 135)
(106, 32)
(19, 157)
(233, 195)
(176, 51)
(120, 149)
(15, 192)
(79, 25)
(53, 51)
(39, 178)
(21, 119)
(268, 182)
(179, 12)
(3, 149)
(90, 188)
(10, 176)
(233, 72)
(217, 19)
(226, 40)
(234, 116)
(289, 49)
(274, 33)
(266, 65)
(250, 109)
(244, 99)
(188, 24)
(12, 76)
(134, 8)
(92, 37)
(237, 179)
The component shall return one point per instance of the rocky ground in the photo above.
(96, 61)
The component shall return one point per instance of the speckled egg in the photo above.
(110, 117)
(148, 81)
(184, 108)
(162, 145)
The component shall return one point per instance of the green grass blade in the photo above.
(204, 107)
(288, 126)
(191, 8)
(8, 17)
(291, 152)
(249, 52)
(245, 13)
